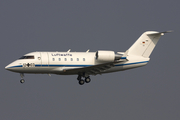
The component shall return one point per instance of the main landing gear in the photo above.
(82, 81)
(22, 79)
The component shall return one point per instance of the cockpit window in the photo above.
(27, 57)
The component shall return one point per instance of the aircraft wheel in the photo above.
(88, 80)
(22, 81)
(81, 82)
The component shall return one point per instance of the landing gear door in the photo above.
(44, 59)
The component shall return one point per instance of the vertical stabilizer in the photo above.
(145, 44)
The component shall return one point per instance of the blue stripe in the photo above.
(123, 57)
(39, 65)
(15, 66)
(70, 65)
(44, 65)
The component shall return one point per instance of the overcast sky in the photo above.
(147, 93)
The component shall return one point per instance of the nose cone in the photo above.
(14, 66)
(8, 67)
(11, 66)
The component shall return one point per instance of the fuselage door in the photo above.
(44, 59)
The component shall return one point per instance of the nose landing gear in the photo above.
(22, 79)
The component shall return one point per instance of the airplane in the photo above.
(87, 63)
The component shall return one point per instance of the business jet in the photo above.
(87, 63)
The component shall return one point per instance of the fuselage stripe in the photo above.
(15, 66)
(39, 65)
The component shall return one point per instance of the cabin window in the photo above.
(27, 57)
(77, 59)
(59, 59)
(71, 59)
(65, 59)
(53, 59)
(83, 59)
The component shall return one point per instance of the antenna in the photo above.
(69, 50)
(87, 51)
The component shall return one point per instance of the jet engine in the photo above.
(107, 56)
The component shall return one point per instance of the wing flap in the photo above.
(94, 70)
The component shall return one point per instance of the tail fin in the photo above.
(146, 43)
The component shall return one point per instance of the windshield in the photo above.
(27, 57)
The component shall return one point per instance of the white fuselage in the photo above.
(87, 63)
(59, 62)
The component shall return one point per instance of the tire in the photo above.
(88, 80)
(81, 82)
(22, 81)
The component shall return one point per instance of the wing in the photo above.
(94, 69)
(91, 70)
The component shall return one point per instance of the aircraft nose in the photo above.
(14, 66)
(7, 67)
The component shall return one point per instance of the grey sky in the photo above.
(146, 93)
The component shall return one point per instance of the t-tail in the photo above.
(145, 44)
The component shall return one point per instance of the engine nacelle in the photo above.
(105, 56)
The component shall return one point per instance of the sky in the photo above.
(146, 93)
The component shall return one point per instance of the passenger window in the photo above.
(59, 59)
(71, 59)
(83, 59)
(77, 59)
(65, 59)
(53, 59)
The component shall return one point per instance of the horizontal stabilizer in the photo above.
(159, 33)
